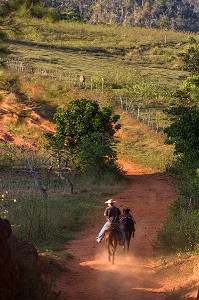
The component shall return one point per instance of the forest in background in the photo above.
(168, 14)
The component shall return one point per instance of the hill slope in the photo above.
(20, 124)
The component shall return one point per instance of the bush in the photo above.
(180, 232)
(39, 12)
(10, 83)
(53, 15)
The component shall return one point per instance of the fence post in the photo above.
(117, 77)
(138, 115)
(121, 103)
(91, 83)
(126, 105)
(156, 121)
(102, 83)
(149, 117)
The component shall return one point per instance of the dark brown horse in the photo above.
(127, 225)
(111, 237)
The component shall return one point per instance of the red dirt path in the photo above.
(90, 276)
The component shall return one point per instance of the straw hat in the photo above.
(110, 201)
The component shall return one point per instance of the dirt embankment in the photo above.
(90, 276)
(19, 123)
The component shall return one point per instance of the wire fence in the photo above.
(154, 117)
(92, 82)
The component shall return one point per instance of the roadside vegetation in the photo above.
(181, 231)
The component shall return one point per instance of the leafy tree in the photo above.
(180, 14)
(7, 23)
(9, 11)
(184, 134)
(184, 131)
(86, 133)
(189, 89)
(190, 57)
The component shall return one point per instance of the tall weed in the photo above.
(180, 232)
(58, 218)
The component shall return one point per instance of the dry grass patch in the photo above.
(139, 144)
(180, 275)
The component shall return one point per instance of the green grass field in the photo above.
(136, 62)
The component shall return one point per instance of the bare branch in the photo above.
(62, 174)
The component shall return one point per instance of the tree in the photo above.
(190, 87)
(190, 57)
(190, 61)
(9, 10)
(30, 162)
(184, 131)
(86, 133)
(184, 134)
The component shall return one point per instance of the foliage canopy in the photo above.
(190, 58)
(86, 132)
(184, 131)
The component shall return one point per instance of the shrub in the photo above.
(180, 232)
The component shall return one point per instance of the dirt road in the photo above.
(90, 276)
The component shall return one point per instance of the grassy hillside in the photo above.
(136, 62)
(138, 65)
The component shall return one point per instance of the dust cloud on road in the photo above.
(90, 276)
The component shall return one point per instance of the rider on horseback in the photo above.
(127, 218)
(127, 214)
(112, 214)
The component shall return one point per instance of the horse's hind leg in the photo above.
(128, 238)
(114, 250)
(124, 246)
(128, 244)
(113, 258)
(109, 257)
(109, 254)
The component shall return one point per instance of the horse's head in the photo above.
(126, 210)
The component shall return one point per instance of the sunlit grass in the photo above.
(88, 36)
(56, 219)
(141, 145)
(123, 56)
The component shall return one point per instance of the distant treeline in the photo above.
(168, 14)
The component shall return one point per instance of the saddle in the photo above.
(113, 227)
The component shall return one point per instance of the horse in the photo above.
(127, 226)
(111, 238)
(82, 81)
